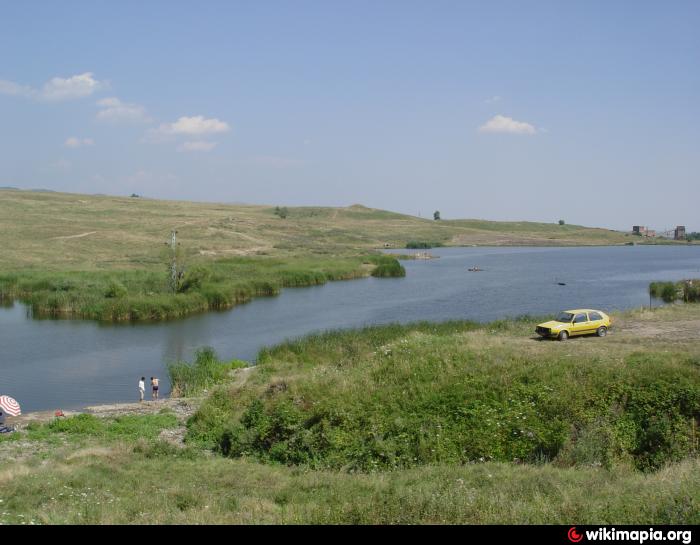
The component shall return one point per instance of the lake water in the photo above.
(50, 364)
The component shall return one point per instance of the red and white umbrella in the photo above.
(10, 406)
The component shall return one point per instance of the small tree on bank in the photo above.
(562, 222)
(436, 215)
(281, 212)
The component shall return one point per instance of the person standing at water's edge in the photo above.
(142, 388)
(154, 385)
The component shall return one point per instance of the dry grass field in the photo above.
(60, 231)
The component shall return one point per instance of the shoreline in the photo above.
(181, 406)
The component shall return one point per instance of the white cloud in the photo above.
(79, 86)
(493, 99)
(114, 110)
(194, 126)
(74, 142)
(56, 89)
(500, 123)
(197, 146)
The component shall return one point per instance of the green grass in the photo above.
(403, 396)
(325, 419)
(86, 425)
(207, 370)
(157, 484)
(685, 290)
(145, 294)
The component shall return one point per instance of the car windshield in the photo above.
(565, 317)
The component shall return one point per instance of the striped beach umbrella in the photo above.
(9, 406)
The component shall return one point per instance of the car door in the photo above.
(596, 320)
(580, 325)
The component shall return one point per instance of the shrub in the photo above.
(686, 290)
(115, 289)
(194, 278)
(281, 212)
(668, 291)
(420, 245)
(389, 270)
(206, 371)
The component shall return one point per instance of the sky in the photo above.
(586, 111)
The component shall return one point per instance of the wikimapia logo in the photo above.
(573, 536)
(636, 536)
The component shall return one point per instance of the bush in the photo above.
(194, 278)
(420, 245)
(389, 270)
(206, 371)
(663, 290)
(685, 290)
(115, 290)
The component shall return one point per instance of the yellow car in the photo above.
(582, 321)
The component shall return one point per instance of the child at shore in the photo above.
(154, 386)
(142, 388)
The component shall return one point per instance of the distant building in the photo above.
(643, 231)
(679, 233)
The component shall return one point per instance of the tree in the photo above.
(562, 222)
(436, 215)
(281, 212)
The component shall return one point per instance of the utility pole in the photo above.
(175, 274)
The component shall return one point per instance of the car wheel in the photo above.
(563, 335)
(602, 331)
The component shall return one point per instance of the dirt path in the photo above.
(648, 327)
(81, 235)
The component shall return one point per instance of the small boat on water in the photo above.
(475, 269)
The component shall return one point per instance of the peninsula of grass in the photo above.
(424, 423)
(133, 295)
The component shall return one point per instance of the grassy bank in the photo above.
(448, 423)
(122, 295)
(404, 396)
(155, 483)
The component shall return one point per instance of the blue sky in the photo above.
(583, 110)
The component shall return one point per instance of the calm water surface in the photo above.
(49, 364)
